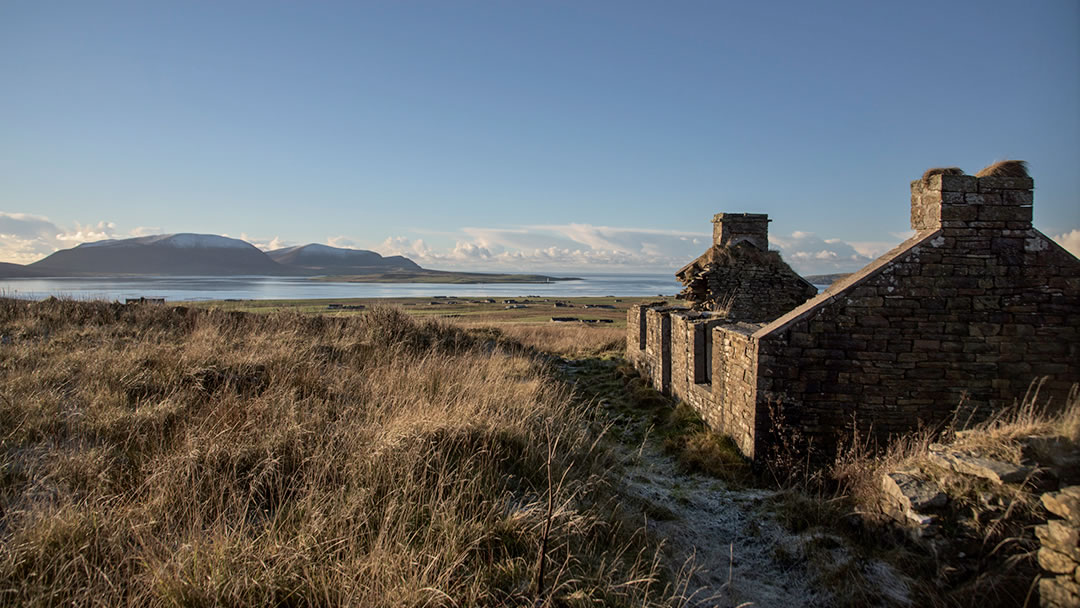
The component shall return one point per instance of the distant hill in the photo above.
(826, 279)
(8, 270)
(323, 259)
(211, 255)
(163, 254)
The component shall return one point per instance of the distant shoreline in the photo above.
(406, 276)
(189, 288)
(439, 276)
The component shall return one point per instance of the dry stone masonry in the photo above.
(956, 321)
(1059, 556)
(739, 277)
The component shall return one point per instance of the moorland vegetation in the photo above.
(174, 456)
(156, 455)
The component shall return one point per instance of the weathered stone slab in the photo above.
(912, 493)
(993, 470)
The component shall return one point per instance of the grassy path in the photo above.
(728, 540)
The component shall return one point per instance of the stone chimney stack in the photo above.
(732, 228)
(991, 203)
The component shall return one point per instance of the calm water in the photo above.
(282, 288)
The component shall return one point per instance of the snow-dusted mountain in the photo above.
(162, 254)
(181, 240)
(336, 260)
(203, 255)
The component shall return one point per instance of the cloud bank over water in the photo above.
(569, 246)
(25, 238)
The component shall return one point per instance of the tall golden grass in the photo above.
(160, 456)
(573, 340)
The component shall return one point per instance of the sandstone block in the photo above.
(986, 184)
(1055, 562)
(1018, 197)
(1004, 213)
(1065, 504)
(1060, 537)
(1059, 591)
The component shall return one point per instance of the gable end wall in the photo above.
(948, 322)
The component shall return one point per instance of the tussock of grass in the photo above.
(1005, 168)
(165, 456)
(941, 171)
(714, 455)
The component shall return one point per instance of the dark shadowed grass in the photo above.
(166, 456)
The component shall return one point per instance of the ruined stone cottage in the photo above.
(737, 279)
(956, 321)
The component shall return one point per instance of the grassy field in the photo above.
(536, 310)
(171, 456)
(440, 276)
(432, 453)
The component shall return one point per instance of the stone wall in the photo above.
(744, 283)
(733, 410)
(635, 334)
(1059, 554)
(739, 276)
(657, 356)
(965, 314)
(692, 355)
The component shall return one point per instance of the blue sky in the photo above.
(524, 135)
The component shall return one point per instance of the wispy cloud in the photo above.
(584, 246)
(810, 254)
(565, 246)
(26, 238)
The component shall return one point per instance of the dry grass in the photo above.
(170, 457)
(570, 340)
(988, 559)
(1005, 168)
(941, 171)
(859, 467)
